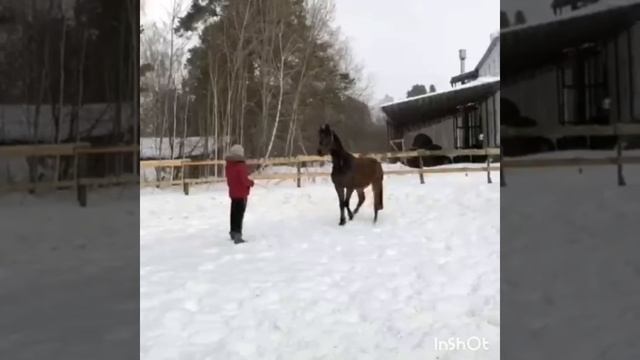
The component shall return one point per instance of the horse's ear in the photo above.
(326, 127)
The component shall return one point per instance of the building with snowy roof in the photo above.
(581, 68)
(457, 118)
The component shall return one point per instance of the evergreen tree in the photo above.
(519, 18)
(417, 90)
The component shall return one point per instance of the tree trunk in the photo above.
(58, 131)
(280, 96)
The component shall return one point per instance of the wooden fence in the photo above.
(619, 130)
(79, 182)
(301, 162)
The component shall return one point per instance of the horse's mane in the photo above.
(337, 141)
(342, 159)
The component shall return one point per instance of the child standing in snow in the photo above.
(239, 184)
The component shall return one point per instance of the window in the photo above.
(582, 83)
(468, 127)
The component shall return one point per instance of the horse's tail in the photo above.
(378, 200)
(377, 192)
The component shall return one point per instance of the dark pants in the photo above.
(238, 206)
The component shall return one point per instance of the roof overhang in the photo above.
(428, 108)
(467, 76)
(529, 47)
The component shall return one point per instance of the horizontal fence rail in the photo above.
(80, 181)
(301, 162)
(619, 130)
(623, 129)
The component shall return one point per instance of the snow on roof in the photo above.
(479, 81)
(601, 6)
(17, 121)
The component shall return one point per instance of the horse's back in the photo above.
(367, 170)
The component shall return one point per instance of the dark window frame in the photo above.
(582, 85)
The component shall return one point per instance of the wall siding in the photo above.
(629, 79)
(635, 46)
(441, 133)
(536, 96)
(491, 67)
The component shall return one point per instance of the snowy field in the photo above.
(305, 288)
(573, 238)
(69, 276)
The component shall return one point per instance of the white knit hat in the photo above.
(236, 151)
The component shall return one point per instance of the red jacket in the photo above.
(238, 179)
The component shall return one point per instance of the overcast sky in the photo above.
(405, 42)
(534, 10)
(416, 41)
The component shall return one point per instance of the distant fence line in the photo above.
(302, 162)
(619, 130)
(79, 181)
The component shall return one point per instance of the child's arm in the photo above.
(248, 181)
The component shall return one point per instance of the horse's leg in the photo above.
(377, 198)
(347, 200)
(360, 200)
(340, 191)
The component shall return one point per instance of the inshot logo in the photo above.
(472, 343)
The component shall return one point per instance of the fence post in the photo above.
(503, 182)
(621, 181)
(488, 166)
(81, 189)
(76, 176)
(185, 184)
(421, 166)
(298, 172)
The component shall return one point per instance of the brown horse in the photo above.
(350, 173)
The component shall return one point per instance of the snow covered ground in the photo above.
(305, 288)
(570, 264)
(69, 276)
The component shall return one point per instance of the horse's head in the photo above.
(325, 140)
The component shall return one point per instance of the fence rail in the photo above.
(623, 129)
(301, 162)
(619, 130)
(78, 151)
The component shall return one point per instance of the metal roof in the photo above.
(428, 108)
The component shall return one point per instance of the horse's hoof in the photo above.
(342, 222)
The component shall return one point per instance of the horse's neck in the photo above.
(340, 157)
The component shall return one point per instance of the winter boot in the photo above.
(237, 238)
